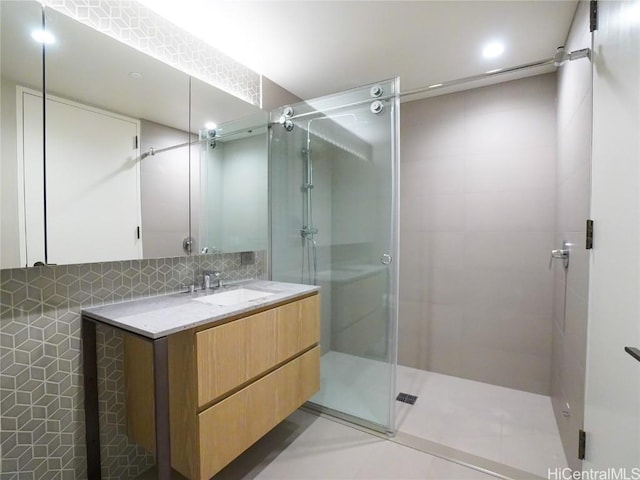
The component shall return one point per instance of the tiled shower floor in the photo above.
(507, 426)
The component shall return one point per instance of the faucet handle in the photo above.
(207, 279)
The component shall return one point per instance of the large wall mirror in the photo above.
(20, 68)
(114, 162)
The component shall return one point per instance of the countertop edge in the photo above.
(90, 313)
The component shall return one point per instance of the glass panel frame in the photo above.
(350, 247)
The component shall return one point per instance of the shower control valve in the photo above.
(308, 231)
(562, 253)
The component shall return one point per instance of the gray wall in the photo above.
(274, 96)
(476, 227)
(575, 105)
(41, 394)
(164, 190)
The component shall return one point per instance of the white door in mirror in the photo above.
(93, 183)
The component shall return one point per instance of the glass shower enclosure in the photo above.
(334, 223)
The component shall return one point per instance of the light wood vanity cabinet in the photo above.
(228, 384)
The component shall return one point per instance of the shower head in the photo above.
(560, 57)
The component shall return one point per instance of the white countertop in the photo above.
(156, 317)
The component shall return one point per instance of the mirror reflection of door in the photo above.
(93, 183)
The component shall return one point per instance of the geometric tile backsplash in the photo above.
(41, 394)
(138, 26)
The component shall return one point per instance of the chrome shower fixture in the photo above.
(377, 107)
(211, 139)
(561, 57)
(376, 91)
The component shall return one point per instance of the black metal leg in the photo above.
(91, 413)
(161, 391)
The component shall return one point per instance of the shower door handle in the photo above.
(386, 259)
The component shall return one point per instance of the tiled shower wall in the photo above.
(41, 394)
(476, 228)
(568, 362)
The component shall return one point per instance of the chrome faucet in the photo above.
(211, 279)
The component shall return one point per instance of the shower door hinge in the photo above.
(593, 15)
(589, 236)
(135, 142)
(582, 444)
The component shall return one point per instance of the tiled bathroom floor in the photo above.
(308, 447)
(503, 425)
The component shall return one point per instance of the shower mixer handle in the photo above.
(562, 253)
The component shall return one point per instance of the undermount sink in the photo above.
(233, 297)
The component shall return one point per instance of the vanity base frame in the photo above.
(160, 348)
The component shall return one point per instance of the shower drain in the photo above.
(406, 398)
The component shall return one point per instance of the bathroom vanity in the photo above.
(209, 373)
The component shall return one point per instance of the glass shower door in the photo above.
(333, 203)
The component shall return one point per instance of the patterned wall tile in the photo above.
(139, 27)
(41, 393)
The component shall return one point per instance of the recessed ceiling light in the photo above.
(210, 125)
(44, 37)
(135, 75)
(435, 85)
(492, 50)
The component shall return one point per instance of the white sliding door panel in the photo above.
(612, 404)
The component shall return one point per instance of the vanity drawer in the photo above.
(230, 355)
(231, 426)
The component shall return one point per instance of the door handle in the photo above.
(386, 259)
(633, 351)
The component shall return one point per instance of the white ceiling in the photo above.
(318, 47)
(89, 67)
